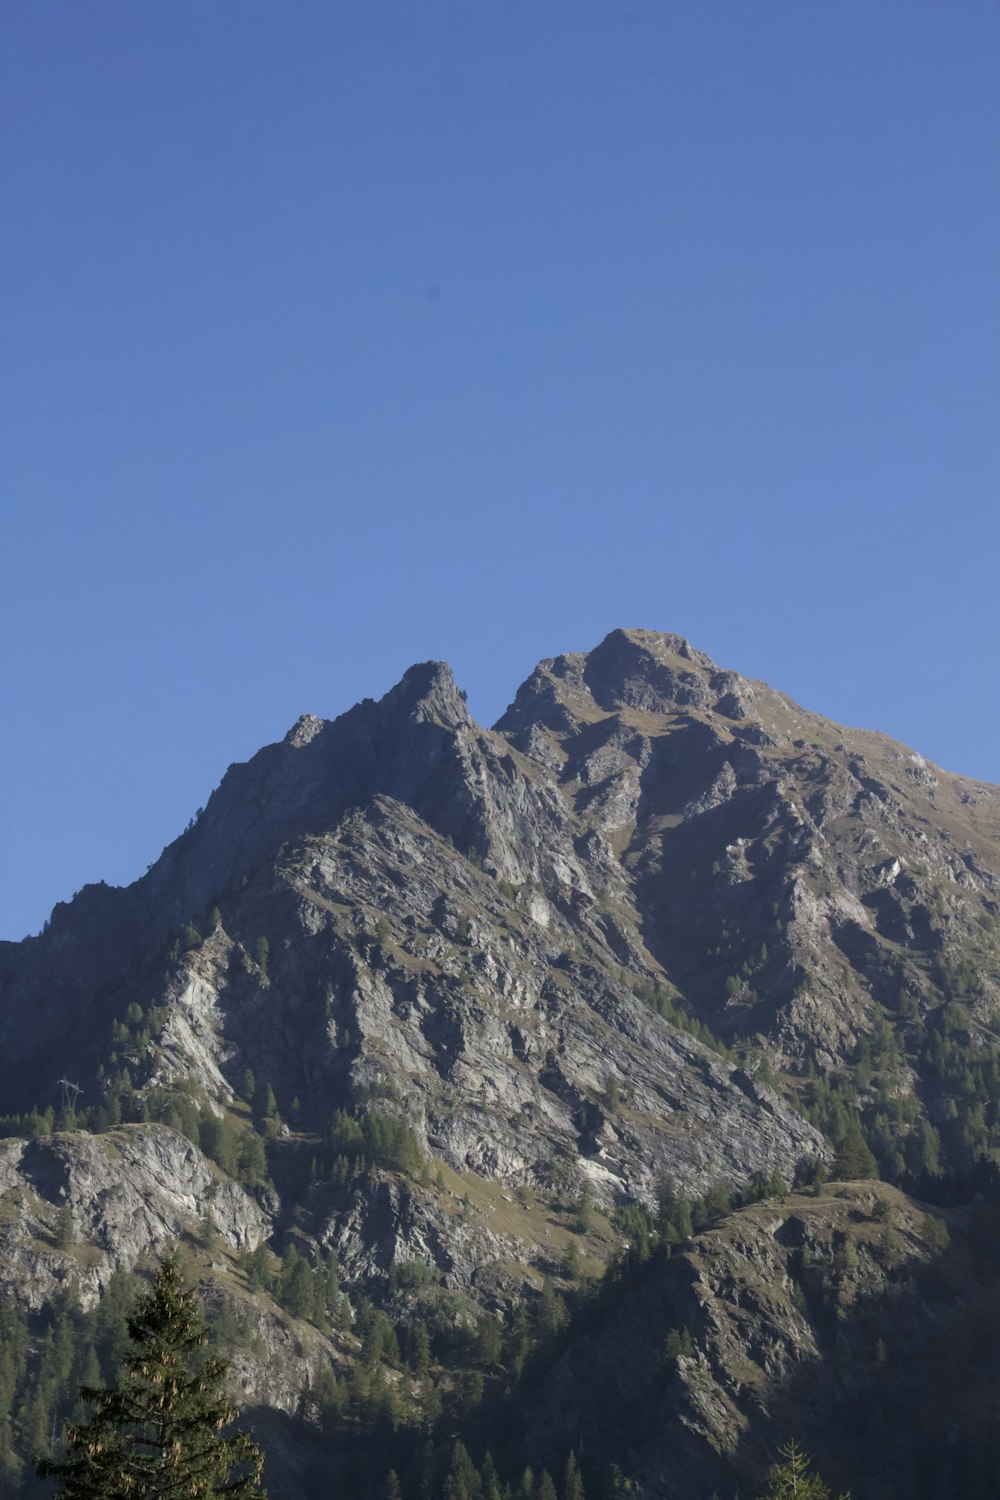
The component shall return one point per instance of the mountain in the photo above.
(448, 1015)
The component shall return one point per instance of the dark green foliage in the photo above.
(380, 1345)
(941, 1130)
(419, 1349)
(490, 1486)
(353, 1145)
(462, 1482)
(923, 1157)
(44, 1358)
(677, 1345)
(966, 1075)
(832, 1107)
(236, 1149)
(635, 1223)
(28, 1126)
(157, 1433)
(251, 1159)
(329, 1398)
(718, 1201)
(660, 999)
(265, 1106)
(217, 1139)
(854, 1159)
(306, 1289)
(486, 1344)
(572, 1483)
(551, 1312)
(791, 1478)
(64, 1228)
(296, 1290)
(676, 1218)
(257, 1265)
(936, 1234)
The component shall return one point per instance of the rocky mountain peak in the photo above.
(625, 649)
(465, 1006)
(303, 731)
(631, 671)
(646, 670)
(427, 693)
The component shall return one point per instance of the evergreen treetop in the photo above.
(792, 1480)
(158, 1433)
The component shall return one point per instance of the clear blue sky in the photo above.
(346, 333)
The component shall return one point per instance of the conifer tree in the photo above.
(792, 1480)
(854, 1159)
(462, 1482)
(490, 1479)
(420, 1350)
(158, 1433)
(64, 1228)
(572, 1483)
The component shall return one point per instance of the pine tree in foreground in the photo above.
(791, 1479)
(158, 1433)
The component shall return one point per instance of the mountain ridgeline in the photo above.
(489, 1080)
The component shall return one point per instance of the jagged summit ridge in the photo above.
(660, 922)
(641, 671)
(375, 820)
(669, 816)
(429, 692)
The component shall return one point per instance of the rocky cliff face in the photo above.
(858, 1322)
(442, 918)
(636, 930)
(126, 1195)
(740, 821)
(444, 902)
